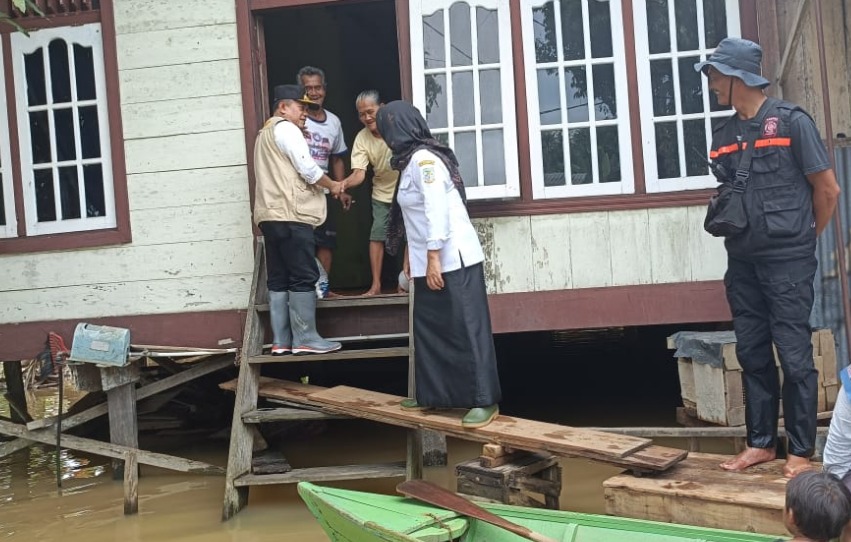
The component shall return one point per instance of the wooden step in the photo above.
(263, 415)
(368, 353)
(324, 474)
(353, 301)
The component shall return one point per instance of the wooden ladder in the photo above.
(245, 413)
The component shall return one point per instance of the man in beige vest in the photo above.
(288, 204)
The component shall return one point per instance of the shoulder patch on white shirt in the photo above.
(427, 173)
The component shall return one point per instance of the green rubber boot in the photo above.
(411, 404)
(480, 416)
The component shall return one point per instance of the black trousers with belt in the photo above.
(772, 301)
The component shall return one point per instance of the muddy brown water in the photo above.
(176, 506)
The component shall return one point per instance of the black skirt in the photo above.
(454, 355)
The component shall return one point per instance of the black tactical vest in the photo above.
(778, 197)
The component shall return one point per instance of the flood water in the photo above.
(608, 381)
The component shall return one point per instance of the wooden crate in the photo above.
(716, 394)
(512, 479)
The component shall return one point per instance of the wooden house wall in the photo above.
(187, 180)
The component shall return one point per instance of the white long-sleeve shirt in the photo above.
(290, 139)
(435, 216)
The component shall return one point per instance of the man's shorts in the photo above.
(380, 218)
(326, 233)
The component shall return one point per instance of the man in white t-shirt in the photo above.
(324, 135)
(370, 149)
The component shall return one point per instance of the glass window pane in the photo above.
(608, 154)
(63, 125)
(605, 104)
(89, 132)
(662, 81)
(95, 199)
(433, 46)
(694, 139)
(544, 23)
(463, 108)
(84, 66)
(572, 32)
(69, 192)
(40, 137)
(548, 98)
(488, 35)
(465, 150)
(658, 26)
(490, 96)
(714, 21)
(60, 74)
(436, 101)
(576, 89)
(667, 150)
(2, 204)
(45, 201)
(460, 36)
(493, 157)
(34, 68)
(580, 156)
(691, 86)
(552, 153)
(687, 32)
(600, 19)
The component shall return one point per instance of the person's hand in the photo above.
(434, 278)
(346, 201)
(337, 188)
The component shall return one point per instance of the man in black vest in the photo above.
(790, 196)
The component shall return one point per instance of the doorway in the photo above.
(355, 43)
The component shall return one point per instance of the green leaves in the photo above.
(23, 6)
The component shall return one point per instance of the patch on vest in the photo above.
(422, 163)
(769, 128)
(427, 174)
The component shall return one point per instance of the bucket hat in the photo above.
(737, 57)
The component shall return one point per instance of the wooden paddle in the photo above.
(436, 495)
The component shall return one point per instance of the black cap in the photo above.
(737, 57)
(294, 92)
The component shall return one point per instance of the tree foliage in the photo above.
(23, 6)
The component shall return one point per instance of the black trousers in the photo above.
(290, 259)
(772, 302)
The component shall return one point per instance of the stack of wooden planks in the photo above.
(716, 394)
(637, 454)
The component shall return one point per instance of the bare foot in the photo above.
(749, 458)
(373, 291)
(331, 295)
(795, 465)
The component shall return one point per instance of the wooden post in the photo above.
(131, 484)
(414, 463)
(123, 428)
(16, 393)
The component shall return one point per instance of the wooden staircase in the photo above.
(246, 414)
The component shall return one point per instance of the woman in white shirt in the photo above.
(455, 359)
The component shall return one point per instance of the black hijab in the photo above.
(405, 131)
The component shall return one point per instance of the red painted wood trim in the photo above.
(586, 204)
(587, 308)
(403, 37)
(244, 34)
(194, 329)
(52, 21)
(521, 106)
(629, 30)
(15, 148)
(749, 19)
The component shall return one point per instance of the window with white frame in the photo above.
(8, 223)
(577, 98)
(464, 85)
(677, 110)
(63, 129)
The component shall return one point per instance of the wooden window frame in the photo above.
(508, 125)
(6, 179)
(121, 233)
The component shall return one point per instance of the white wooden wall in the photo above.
(588, 250)
(187, 180)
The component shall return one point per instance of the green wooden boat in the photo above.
(355, 516)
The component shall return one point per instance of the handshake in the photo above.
(338, 190)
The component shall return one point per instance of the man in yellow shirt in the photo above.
(370, 149)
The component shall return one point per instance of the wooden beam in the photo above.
(114, 451)
(123, 422)
(131, 484)
(792, 34)
(16, 394)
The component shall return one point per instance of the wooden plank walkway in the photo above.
(625, 451)
(698, 492)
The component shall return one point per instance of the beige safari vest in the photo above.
(280, 194)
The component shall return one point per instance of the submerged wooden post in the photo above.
(16, 393)
(131, 483)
